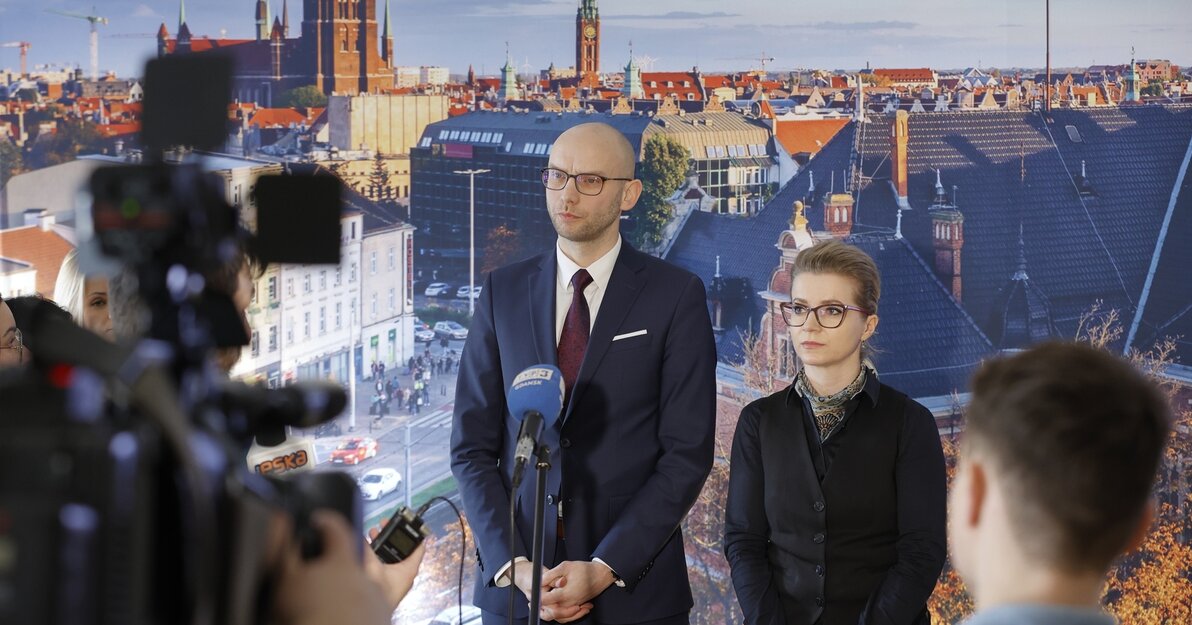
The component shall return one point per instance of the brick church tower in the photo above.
(339, 38)
(587, 44)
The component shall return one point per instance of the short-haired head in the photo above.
(1074, 435)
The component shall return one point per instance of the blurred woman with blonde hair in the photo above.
(84, 297)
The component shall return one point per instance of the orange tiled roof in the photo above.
(113, 130)
(656, 83)
(203, 44)
(914, 74)
(808, 136)
(42, 249)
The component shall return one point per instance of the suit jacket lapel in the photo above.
(542, 310)
(624, 286)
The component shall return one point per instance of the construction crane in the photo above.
(95, 21)
(24, 46)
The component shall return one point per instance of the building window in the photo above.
(290, 286)
(497, 138)
(272, 289)
(353, 231)
(339, 276)
(374, 305)
(272, 338)
(323, 280)
(306, 283)
(322, 320)
(255, 343)
(290, 331)
(339, 309)
(306, 324)
(392, 300)
(372, 264)
(352, 274)
(392, 258)
(352, 312)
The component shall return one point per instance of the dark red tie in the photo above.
(574, 340)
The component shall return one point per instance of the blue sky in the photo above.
(713, 34)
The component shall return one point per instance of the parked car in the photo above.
(379, 482)
(452, 330)
(437, 289)
(462, 292)
(451, 616)
(422, 331)
(354, 451)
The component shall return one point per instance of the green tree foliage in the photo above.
(1153, 88)
(379, 186)
(307, 96)
(74, 137)
(11, 161)
(663, 168)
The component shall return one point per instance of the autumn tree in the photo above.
(663, 168)
(438, 585)
(502, 246)
(73, 137)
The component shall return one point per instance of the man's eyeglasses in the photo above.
(16, 343)
(827, 315)
(586, 184)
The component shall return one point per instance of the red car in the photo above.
(354, 450)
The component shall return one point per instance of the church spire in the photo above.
(387, 39)
(285, 18)
(181, 13)
(508, 78)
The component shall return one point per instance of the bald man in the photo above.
(11, 347)
(633, 446)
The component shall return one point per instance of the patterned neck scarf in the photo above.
(828, 410)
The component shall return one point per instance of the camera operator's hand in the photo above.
(394, 579)
(332, 588)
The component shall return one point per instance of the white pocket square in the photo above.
(629, 335)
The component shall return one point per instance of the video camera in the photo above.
(124, 493)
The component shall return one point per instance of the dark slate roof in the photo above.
(534, 127)
(1168, 309)
(1080, 249)
(927, 345)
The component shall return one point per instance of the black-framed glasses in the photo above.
(17, 343)
(586, 184)
(827, 315)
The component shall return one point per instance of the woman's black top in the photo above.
(844, 531)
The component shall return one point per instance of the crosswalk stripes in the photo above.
(433, 418)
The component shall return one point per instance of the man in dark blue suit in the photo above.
(633, 446)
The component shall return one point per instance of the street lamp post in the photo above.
(471, 174)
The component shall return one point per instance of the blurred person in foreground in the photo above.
(28, 310)
(12, 348)
(84, 297)
(837, 486)
(1053, 482)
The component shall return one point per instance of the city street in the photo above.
(428, 433)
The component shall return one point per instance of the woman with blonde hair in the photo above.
(84, 297)
(836, 498)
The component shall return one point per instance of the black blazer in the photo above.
(848, 532)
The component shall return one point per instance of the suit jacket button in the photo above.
(819, 570)
(818, 538)
(818, 506)
(565, 443)
(550, 500)
(819, 601)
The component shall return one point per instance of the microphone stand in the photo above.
(543, 466)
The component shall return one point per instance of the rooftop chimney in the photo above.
(947, 225)
(838, 214)
(33, 216)
(898, 137)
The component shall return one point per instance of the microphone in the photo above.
(535, 399)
